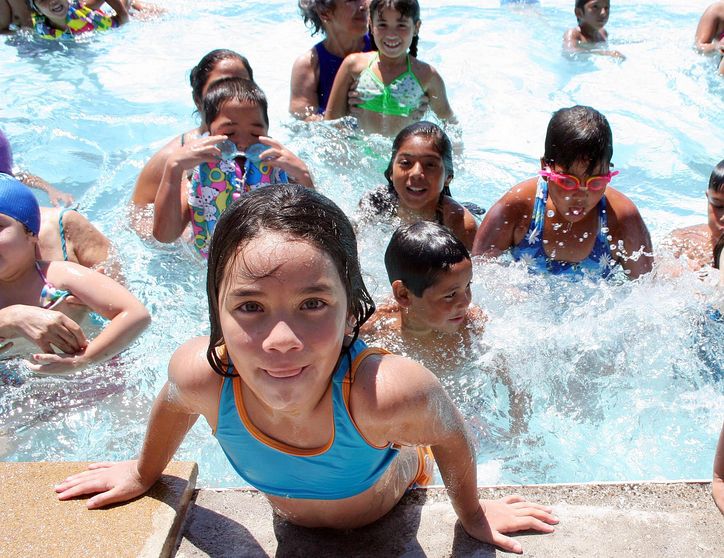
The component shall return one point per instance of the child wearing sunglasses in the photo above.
(568, 220)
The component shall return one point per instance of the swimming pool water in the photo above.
(620, 381)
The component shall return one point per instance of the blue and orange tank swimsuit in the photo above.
(346, 466)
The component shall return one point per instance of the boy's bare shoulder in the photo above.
(574, 34)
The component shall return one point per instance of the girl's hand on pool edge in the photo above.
(111, 482)
(511, 514)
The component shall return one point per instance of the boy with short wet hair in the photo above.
(430, 271)
(592, 16)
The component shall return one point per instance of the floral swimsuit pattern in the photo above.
(215, 185)
(531, 251)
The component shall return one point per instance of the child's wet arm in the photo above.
(128, 316)
(119, 7)
(337, 104)
(495, 233)
(718, 480)
(170, 419)
(170, 208)
(303, 99)
(438, 98)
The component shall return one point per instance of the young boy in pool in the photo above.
(430, 272)
(709, 36)
(331, 432)
(234, 110)
(697, 241)
(592, 16)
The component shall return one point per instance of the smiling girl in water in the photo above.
(391, 82)
(332, 432)
(568, 220)
(418, 183)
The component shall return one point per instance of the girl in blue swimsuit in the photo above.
(568, 221)
(331, 431)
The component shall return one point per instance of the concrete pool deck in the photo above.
(671, 519)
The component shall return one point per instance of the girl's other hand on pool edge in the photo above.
(111, 482)
(510, 514)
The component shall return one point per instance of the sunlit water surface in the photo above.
(619, 380)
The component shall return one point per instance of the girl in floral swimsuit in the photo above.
(568, 220)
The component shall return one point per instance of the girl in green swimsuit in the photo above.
(391, 82)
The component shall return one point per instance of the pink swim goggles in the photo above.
(570, 182)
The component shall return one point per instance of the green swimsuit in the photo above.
(400, 98)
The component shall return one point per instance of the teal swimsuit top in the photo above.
(530, 250)
(400, 98)
(347, 465)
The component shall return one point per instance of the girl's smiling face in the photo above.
(283, 312)
(242, 123)
(55, 10)
(393, 32)
(418, 174)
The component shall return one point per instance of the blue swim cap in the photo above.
(6, 155)
(17, 201)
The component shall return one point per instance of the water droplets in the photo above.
(550, 213)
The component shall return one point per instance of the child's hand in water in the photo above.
(52, 363)
(511, 514)
(197, 151)
(111, 482)
(45, 327)
(280, 157)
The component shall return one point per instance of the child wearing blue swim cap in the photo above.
(34, 309)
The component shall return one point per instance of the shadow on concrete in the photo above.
(218, 536)
(465, 546)
(395, 534)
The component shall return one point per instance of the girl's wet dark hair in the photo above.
(200, 73)
(311, 13)
(717, 252)
(578, 133)
(716, 180)
(232, 89)
(440, 141)
(301, 214)
(406, 8)
(417, 254)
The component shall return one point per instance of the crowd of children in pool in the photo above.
(287, 302)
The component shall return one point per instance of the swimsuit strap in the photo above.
(49, 295)
(61, 229)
